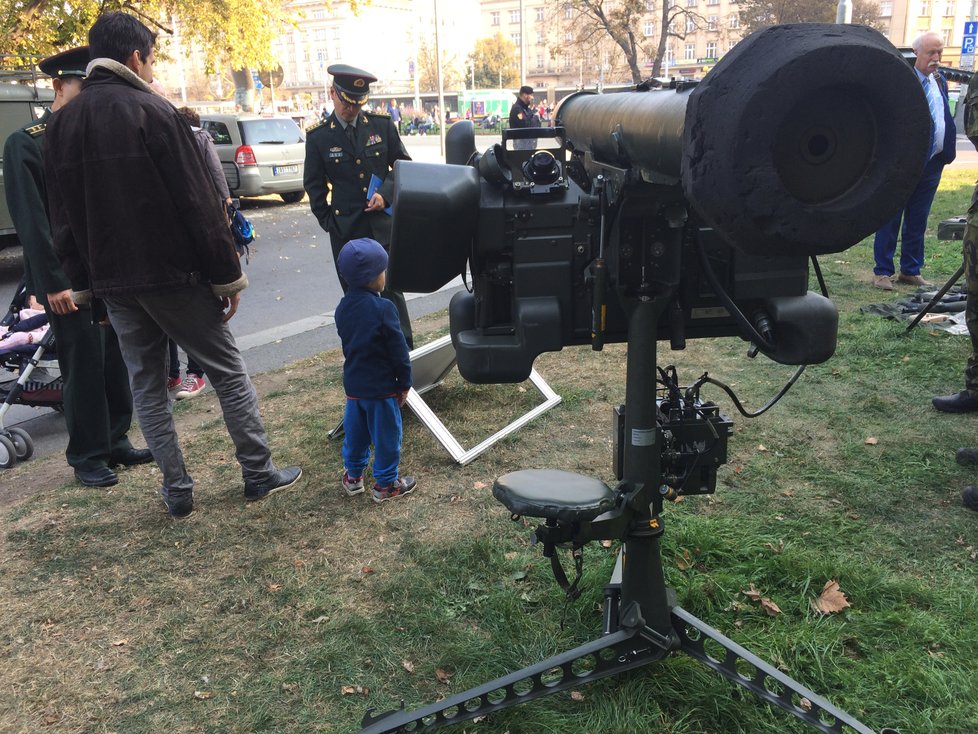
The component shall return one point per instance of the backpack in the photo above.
(241, 230)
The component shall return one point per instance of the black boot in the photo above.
(962, 402)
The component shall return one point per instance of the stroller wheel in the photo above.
(23, 443)
(8, 455)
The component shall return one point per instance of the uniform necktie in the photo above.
(936, 108)
(351, 134)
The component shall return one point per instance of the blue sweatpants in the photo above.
(378, 422)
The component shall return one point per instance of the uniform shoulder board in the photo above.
(378, 114)
(314, 126)
(35, 130)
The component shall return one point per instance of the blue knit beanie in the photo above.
(361, 261)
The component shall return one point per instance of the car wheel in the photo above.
(291, 197)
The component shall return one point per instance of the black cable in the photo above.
(767, 406)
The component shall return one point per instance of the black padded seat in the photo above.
(553, 494)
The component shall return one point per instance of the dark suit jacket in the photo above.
(337, 175)
(950, 134)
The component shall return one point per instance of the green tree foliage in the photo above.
(235, 32)
(757, 14)
(496, 62)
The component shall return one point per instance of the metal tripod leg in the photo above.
(936, 299)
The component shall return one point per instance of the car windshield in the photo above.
(277, 131)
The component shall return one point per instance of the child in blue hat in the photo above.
(376, 373)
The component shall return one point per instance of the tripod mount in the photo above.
(641, 622)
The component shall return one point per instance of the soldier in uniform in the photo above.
(966, 401)
(343, 154)
(522, 114)
(97, 400)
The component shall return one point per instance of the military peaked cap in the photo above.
(72, 62)
(352, 84)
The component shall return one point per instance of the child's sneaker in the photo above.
(190, 387)
(352, 486)
(403, 486)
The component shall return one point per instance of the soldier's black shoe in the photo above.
(969, 498)
(179, 505)
(130, 457)
(962, 402)
(966, 456)
(100, 477)
(280, 479)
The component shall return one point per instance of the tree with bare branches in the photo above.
(757, 14)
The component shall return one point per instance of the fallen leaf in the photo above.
(408, 665)
(350, 690)
(804, 704)
(298, 563)
(831, 600)
(320, 618)
(517, 576)
(872, 441)
(751, 593)
(761, 447)
(366, 569)
(290, 686)
(442, 676)
(203, 695)
(576, 696)
(479, 485)
(770, 607)
(274, 587)
(777, 549)
(120, 643)
(685, 562)
(510, 555)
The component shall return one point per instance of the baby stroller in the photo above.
(26, 344)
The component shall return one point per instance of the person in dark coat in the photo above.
(522, 115)
(96, 395)
(344, 154)
(136, 225)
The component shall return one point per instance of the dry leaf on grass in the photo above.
(872, 441)
(831, 600)
(761, 447)
(442, 676)
(350, 690)
(274, 587)
(366, 570)
(120, 643)
(576, 696)
(766, 604)
(203, 695)
(408, 665)
(479, 485)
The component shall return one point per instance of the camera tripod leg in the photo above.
(744, 668)
(630, 647)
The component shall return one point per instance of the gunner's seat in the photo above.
(561, 496)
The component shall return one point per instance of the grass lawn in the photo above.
(299, 613)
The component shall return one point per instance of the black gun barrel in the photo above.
(785, 147)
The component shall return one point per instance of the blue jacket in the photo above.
(377, 363)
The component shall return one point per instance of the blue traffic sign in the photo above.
(971, 28)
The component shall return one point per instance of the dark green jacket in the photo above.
(337, 175)
(23, 176)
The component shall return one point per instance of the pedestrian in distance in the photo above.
(137, 227)
(928, 48)
(523, 115)
(376, 374)
(96, 396)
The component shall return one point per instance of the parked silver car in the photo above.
(260, 155)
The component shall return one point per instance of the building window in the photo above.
(711, 23)
(711, 49)
(539, 37)
(949, 9)
(494, 18)
(514, 16)
(925, 7)
(670, 56)
(690, 52)
(539, 61)
(946, 35)
(690, 25)
(734, 21)
(515, 38)
(648, 29)
(690, 3)
(568, 36)
(712, 2)
(568, 11)
(318, 14)
(540, 12)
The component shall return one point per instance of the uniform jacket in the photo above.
(337, 175)
(523, 115)
(23, 175)
(376, 363)
(132, 207)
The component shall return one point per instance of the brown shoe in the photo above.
(912, 280)
(882, 282)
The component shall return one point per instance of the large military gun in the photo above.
(659, 214)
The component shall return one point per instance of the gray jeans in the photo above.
(191, 316)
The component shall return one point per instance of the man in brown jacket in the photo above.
(135, 225)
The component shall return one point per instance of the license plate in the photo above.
(279, 170)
